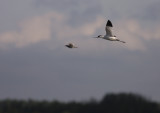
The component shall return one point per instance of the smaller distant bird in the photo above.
(109, 36)
(71, 45)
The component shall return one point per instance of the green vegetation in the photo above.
(111, 103)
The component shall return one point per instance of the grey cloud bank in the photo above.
(35, 64)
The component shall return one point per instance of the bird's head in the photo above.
(99, 36)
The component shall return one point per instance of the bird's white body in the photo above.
(111, 38)
(109, 35)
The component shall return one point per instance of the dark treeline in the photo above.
(111, 103)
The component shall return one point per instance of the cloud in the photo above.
(50, 26)
(31, 31)
(152, 11)
(136, 34)
(80, 12)
(80, 34)
(56, 28)
(82, 30)
(56, 4)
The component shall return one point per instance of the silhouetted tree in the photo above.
(127, 103)
(111, 103)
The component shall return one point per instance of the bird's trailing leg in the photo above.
(121, 41)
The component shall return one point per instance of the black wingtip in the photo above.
(109, 23)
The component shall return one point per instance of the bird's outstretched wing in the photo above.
(108, 28)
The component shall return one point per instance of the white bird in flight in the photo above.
(71, 45)
(109, 35)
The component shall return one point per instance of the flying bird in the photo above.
(109, 35)
(71, 45)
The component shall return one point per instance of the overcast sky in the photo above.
(34, 63)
